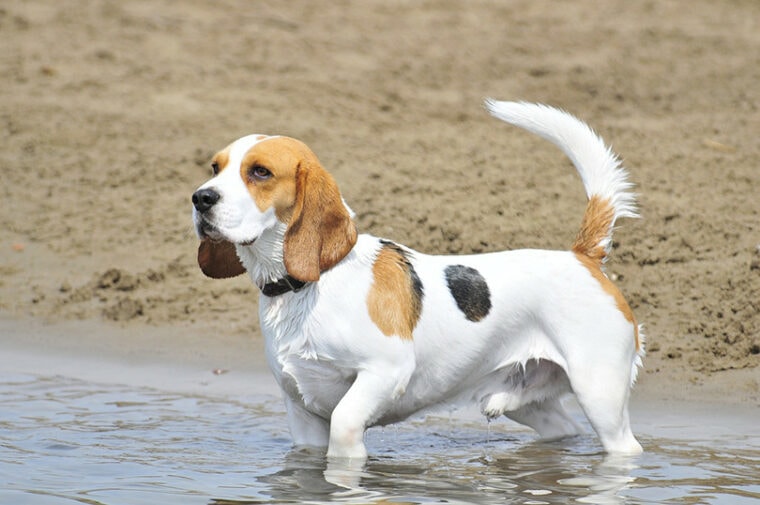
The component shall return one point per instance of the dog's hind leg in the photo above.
(548, 417)
(603, 393)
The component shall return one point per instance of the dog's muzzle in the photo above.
(203, 200)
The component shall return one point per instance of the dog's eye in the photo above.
(259, 173)
(215, 167)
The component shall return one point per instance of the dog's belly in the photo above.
(501, 391)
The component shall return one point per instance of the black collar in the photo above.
(282, 286)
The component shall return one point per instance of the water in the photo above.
(69, 441)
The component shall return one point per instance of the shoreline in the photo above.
(198, 360)
(164, 358)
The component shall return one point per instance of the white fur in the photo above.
(551, 329)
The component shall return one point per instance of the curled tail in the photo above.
(605, 181)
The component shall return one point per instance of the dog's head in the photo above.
(259, 184)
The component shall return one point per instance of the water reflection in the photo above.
(64, 441)
(535, 473)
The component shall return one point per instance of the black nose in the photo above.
(204, 199)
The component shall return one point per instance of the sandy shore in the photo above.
(110, 112)
(168, 359)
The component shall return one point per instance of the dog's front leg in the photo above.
(366, 400)
(306, 428)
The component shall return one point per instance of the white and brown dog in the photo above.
(361, 331)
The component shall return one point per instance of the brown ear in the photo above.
(219, 260)
(321, 231)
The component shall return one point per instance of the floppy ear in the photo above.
(219, 260)
(321, 231)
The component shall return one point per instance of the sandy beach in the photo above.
(111, 111)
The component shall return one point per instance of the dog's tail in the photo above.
(605, 180)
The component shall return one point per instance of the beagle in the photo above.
(361, 331)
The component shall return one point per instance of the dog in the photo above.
(361, 331)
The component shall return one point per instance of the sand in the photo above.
(110, 112)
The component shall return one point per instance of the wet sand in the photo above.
(110, 112)
(165, 359)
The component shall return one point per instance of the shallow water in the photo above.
(69, 441)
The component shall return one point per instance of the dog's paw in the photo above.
(496, 404)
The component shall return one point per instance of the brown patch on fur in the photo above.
(594, 267)
(595, 227)
(281, 159)
(394, 302)
(222, 158)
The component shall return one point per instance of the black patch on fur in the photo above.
(419, 290)
(469, 290)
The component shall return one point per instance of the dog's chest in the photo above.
(303, 364)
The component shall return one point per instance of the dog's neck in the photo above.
(264, 258)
